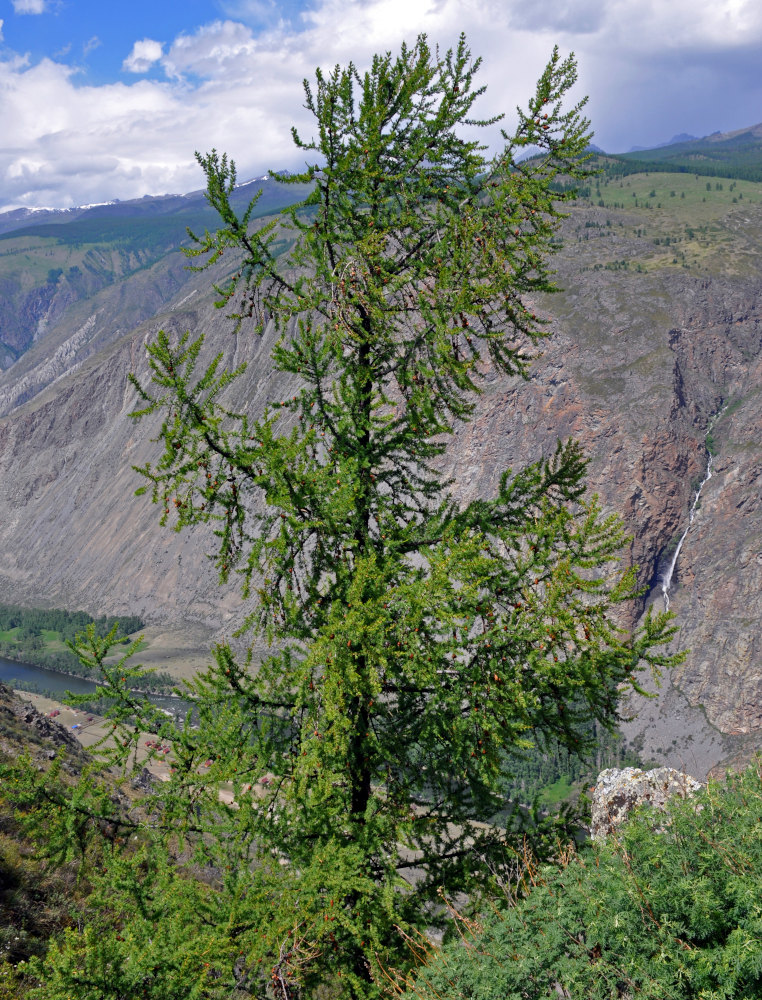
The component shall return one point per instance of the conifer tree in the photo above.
(413, 641)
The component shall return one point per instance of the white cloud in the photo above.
(652, 70)
(144, 54)
(1, 29)
(222, 47)
(252, 11)
(653, 26)
(90, 45)
(578, 16)
(29, 6)
(69, 145)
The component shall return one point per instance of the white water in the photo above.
(666, 580)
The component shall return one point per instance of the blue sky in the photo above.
(104, 100)
(96, 37)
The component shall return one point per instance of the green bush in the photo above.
(667, 914)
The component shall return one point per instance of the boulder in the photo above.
(617, 793)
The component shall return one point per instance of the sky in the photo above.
(109, 100)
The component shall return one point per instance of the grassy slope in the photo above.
(660, 911)
(680, 221)
(737, 154)
(36, 901)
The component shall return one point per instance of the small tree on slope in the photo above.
(414, 642)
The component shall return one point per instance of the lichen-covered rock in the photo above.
(144, 781)
(617, 793)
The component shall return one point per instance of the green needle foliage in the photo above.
(413, 641)
(661, 911)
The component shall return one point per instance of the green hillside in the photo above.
(733, 154)
(649, 221)
(47, 267)
(661, 911)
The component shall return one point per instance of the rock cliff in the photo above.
(641, 359)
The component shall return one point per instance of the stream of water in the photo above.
(17, 674)
(666, 580)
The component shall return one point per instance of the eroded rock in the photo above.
(617, 793)
(40, 728)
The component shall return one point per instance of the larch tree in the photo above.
(414, 642)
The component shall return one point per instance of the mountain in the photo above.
(735, 154)
(655, 358)
(70, 281)
(682, 137)
(273, 196)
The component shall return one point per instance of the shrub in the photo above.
(655, 913)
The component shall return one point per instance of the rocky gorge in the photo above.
(655, 360)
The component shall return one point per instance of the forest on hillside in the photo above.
(44, 637)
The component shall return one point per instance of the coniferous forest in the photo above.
(44, 637)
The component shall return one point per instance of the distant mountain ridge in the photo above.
(736, 154)
(70, 278)
(682, 137)
(273, 197)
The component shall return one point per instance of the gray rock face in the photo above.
(641, 359)
(617, 793)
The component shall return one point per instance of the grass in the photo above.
(119, 649)
(687, 196)
(559, 791)
(53, 640)
(672, 222)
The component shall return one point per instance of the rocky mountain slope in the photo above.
(73, 281)
(657, 334)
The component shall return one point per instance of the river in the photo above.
(48, 681)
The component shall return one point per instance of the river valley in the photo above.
(53, 684)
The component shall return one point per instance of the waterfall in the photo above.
(666, 580)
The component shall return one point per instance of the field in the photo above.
(179, 652)
(670, 221)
